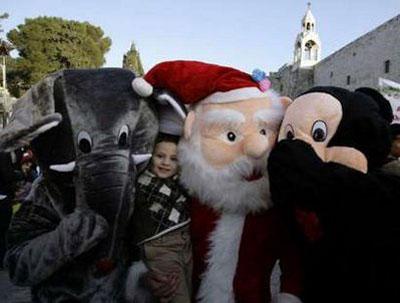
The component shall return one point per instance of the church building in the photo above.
(363, 62)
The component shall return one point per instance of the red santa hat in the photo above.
(193, 82)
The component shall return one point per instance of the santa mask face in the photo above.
(227, 146)
(234, 130)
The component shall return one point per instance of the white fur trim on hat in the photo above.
(142, 87)
(239, 94)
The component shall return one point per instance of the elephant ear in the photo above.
(33, 114)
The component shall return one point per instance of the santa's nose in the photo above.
(256, 146)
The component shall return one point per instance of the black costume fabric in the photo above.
(346, 221)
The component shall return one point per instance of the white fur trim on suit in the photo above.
(135, 292)
(286, 298)
(142, 87)
(217, 281)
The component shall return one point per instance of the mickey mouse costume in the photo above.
(324, 175)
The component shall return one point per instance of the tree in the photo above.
(48, 44)
(132, 61)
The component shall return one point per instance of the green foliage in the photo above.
(132, 61)
(48, 44)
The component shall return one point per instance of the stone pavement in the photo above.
(9, 293)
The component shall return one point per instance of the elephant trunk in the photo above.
(105, 183)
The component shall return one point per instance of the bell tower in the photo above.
(307, 48)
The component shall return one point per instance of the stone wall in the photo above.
(363, 60)
(291, 81)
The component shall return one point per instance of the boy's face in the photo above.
(164, 163)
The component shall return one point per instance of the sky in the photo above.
(244, 34)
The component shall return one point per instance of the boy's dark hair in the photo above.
(167, 138)
(395, 130)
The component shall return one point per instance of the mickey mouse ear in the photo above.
(385, 109)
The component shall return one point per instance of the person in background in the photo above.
(27, 173)
(161, 219)
(393, 163)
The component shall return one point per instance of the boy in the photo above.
(161, 218)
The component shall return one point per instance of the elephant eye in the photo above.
(84, 142)
(319, 131)
(123, 136)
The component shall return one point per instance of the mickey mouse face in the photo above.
(314, 118)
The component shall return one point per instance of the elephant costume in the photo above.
(91, 134)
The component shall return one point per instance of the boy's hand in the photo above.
(163, 286)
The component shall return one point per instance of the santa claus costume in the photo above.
(237, 235)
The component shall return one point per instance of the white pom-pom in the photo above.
(142, 87)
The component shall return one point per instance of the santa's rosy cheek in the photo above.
(218, 153)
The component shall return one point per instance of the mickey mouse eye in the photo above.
(289, 132)
(84, 142)
(123, 136)
(231, 136)
(319, 131)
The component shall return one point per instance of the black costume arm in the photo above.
(298, 176)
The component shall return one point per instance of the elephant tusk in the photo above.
(2, 197)
(140, 158)
(63, 168)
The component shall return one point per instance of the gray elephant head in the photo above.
(91, 133)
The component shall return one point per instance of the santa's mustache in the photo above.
(245, 167)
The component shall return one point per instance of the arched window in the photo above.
(310, 51)
(308, 26)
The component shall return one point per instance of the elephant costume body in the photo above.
(89, 131)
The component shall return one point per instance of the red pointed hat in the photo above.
(193, 81)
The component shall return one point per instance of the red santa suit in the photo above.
(236, 247)
(234, 255)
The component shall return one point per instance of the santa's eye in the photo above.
(289, 132)
(319, 131)
(263, 132)
(231, 136)
(84, 142)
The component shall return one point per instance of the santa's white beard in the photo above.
(224, 189)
